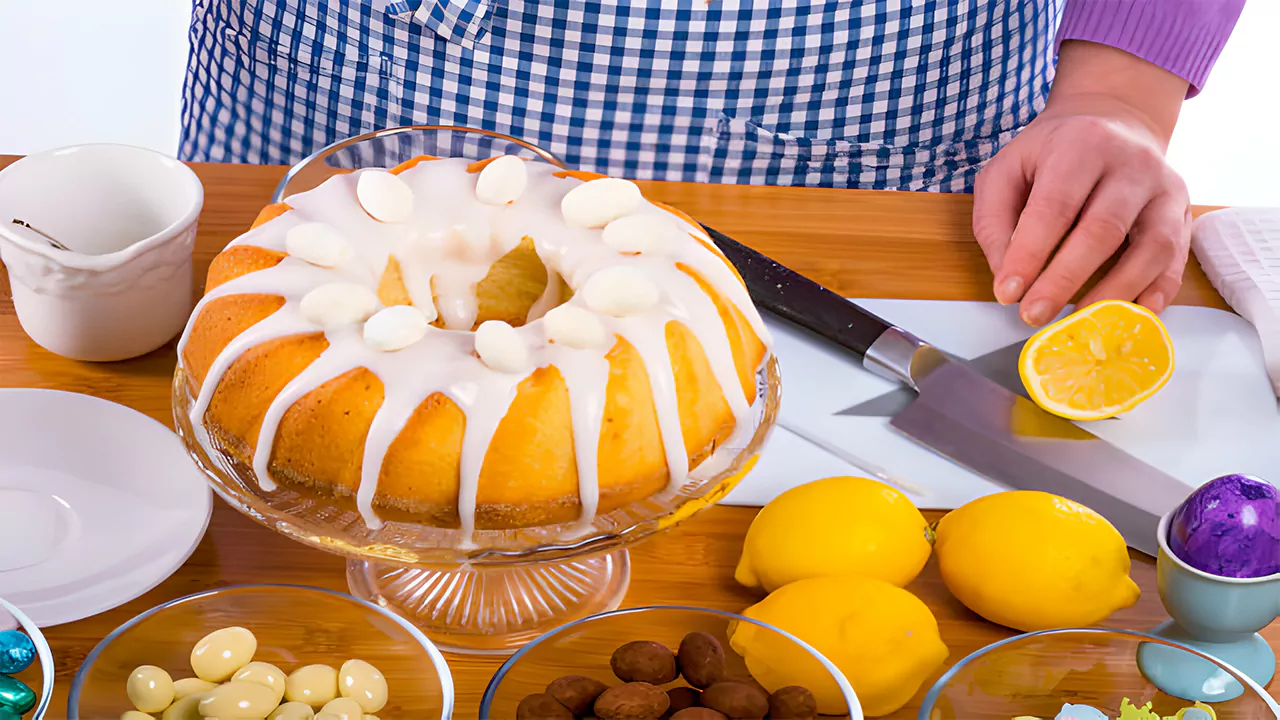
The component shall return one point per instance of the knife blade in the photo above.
(966, 417)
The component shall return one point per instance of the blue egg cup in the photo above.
(1218, 616)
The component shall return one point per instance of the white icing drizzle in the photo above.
(444, 249)
(485, 405)
(331, 363)
(650, 341)
(715, 344)
(585, 375)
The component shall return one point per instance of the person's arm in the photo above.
(1056, 203)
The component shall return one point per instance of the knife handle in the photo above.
(882, 347)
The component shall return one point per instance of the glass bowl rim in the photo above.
(277, 194)
(931, 698)
(490, 690)
(43, 651)
(437, 658)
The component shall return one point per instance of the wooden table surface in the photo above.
(862, 244)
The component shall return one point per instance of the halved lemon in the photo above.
(1098, 362)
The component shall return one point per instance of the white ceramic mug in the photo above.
(127, 217)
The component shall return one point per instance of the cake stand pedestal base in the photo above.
(493, 610)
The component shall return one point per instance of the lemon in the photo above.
(836, 526)
(1097, 362)
(1034, 561)
(883, 638)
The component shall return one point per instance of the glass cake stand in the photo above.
(508, 586)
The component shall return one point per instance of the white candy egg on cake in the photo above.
(486, 346)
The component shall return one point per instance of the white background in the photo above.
(74, 71)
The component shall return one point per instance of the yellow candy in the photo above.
(190, 686)
(363, 683)
(221, 653)
(150, 689)
(264, 674)
(314, 685)
(343, 708)
(292, 711)
(239, 699)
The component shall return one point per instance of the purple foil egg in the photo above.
(1230, 527)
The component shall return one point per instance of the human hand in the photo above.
(1057, 202)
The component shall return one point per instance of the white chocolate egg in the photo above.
(221, 653)
(363, 683)
(189, 686)
(150, 689)
(574, 327)
(502, 181)
(620, 291)
(344, 707)
(188, 708)
(136, 715)
(500, 347)
(384, 196)
(641, 233)
(598, 202)
(338, 303)
(265, 674)
(314, 685)
(328, 716)
(395, 328)
(292, 711)
(318, 244)
(239, 699)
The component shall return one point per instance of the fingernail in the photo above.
(1009, 290)
(1156, 301)
(1036, 313)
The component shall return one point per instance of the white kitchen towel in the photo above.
(1216, 416)
(1239, 249)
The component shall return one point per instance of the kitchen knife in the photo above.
(966, 417)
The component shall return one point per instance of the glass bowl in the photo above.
(1036, 673)
(585, 647)
(495, 590)
(39, 676)
(295, 626)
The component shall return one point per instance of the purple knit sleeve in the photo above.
(1181, 36)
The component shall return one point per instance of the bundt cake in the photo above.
(487, 345)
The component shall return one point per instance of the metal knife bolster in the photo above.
(899, 356)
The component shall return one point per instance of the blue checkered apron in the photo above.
(887, 94)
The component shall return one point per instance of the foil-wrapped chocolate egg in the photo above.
(1230, 527)
(17, 651)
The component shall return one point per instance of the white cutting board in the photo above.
(1217, 414)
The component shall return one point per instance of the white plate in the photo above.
(98, 504)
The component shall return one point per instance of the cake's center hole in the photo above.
(517, 288)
